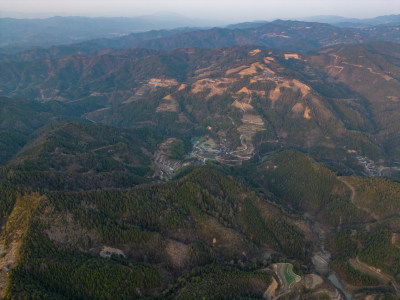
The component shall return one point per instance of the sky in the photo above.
(223, 10)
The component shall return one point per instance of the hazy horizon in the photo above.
(221, 10)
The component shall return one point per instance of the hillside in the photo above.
(213, 219)
(205, 220)
(310, 187)
(82, 156)
(378, 66)
(363, 248)
(377, 196)
(20, 118)
(232, 226)
(269, 98)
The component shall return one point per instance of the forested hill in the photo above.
(204, 218)
(210, 232)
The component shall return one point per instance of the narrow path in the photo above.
(233, 123)
(352, 189)
(94, 122)
(103, 147)
(242, 106)
(85, 116)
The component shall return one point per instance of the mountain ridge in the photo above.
(283, 35)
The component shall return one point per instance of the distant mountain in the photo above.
(91, 47)
(288, 35)
(329, 19)
(384, 20)
(246, 25)
(19, 34)
(280, 34)
(353, 22)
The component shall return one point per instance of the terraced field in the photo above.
(290, 276)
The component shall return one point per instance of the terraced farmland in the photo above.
(290, 276)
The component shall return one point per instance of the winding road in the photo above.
(383, 277)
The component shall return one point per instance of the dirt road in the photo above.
(383, 277)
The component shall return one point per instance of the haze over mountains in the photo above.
(257, 160)
(353, 22)
(19, 34)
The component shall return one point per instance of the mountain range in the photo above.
(259, 160)
(19, 34)
(353, 22)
